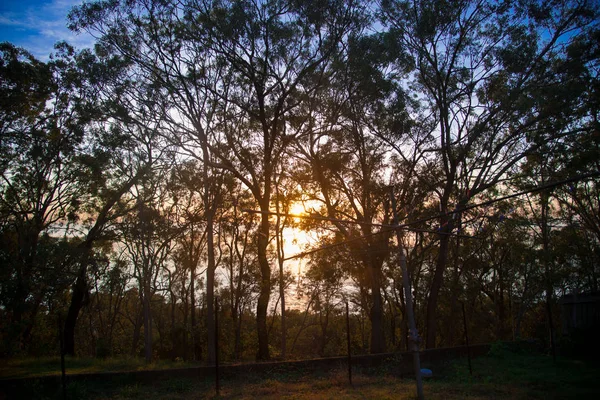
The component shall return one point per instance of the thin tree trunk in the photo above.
(377, 331)
(210, 290)
(174, 341)
(436, 285)
(265, 284)
(77, 297)
(547, 263)
(147, 323)
(137, 328)
(280, 257)
(195, 355)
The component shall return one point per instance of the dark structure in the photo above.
(580, 316)
(580, 311)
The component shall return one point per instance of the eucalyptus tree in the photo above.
(239, 259)
(158, 40)
(325, 283)
(277, 53)
(497, 80)
(348, 184)
(346, 160)
(110, 157)
(286, 196)
(75, 158)
(186, 192)
(44, 122)
(148, 238)
(265, 57)
(581, 156)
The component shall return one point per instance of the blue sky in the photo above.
(37, 24)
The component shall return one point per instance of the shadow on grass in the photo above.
(505, 373)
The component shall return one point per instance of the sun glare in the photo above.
(297, 209)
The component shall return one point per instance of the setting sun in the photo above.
(297, 209)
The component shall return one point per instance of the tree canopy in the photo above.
(147, 177)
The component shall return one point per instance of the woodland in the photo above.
(152, 184)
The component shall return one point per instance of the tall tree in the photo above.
(44, 120)
(237, 248)
(346, 163)
(149, 238)
(491, 75)
(277, 52)
(186, 190)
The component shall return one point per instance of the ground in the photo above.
(503, 374)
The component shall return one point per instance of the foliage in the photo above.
(131, 174)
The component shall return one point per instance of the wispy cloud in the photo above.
(37, 27)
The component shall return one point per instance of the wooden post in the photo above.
(413, 335)
(348, 341)
(217, 388)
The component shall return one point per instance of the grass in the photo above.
(45, 366)
(503, 374)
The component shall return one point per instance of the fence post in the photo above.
(217, 344)
(348, 340)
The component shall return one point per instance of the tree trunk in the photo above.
(210, 289)
(280, 257)
(404, 324)
(547, 266)
(393, 332)
(195, 355)
(174, 333)
(265, 284)
(436, 285)
(377, 329)
(136, 333)
(283, 326)
(147, 322)
(79, 291)
(77, 298)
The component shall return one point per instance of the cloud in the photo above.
(8, 21)
(37, 27)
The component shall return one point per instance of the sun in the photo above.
(297, 209)
(294, 237)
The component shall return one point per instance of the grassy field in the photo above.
(501, 375)
(33, 367)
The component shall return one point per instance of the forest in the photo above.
(266, 162)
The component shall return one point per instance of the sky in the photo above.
(36, 25)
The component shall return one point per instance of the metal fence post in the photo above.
(348, 340)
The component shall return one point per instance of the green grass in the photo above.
(501, 375)
(45, 366)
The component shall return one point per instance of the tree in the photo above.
(271, 55)
(347, 170)
(237, 251)
(112, 157)
(489, 78)
(43, 131)
(186, 191)
(148, 239)
(346, 163)
(324, 283)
